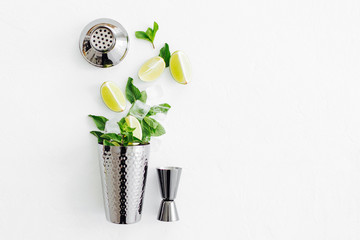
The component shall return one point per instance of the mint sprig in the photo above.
(161, 108)
(108, 143)
(99, 121)
(143, 97)
(150, 127)
(153, 127)
(149, 35)
(132, 93)
(98, 135)
(125, 137)
(165, 54)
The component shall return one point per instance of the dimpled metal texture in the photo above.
(123, 175)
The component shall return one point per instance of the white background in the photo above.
(268, 132)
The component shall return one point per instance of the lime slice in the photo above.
(151, 69)
(113, 97)
(134, 123)
(180, 67)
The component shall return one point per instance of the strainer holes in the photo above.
(101, 39)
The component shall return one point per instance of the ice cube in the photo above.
(159, 117)
(111, 126)
(139, 110)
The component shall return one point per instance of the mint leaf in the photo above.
(151, 122)
(130, 138)
(155, 29)
(142, 35)
(113, 137)
(165, 54)
(146, 131)
(99, 121)
(152, 32)
(149, 32)
(149, 35)
(98, 135)
(126, 132)
(158, 131)
(132, 93)
(146, 139)
(153, 127)
(161, 108)
(124, 127)
(139, 110)
(107, 143)
(121, 124)
(137, 140)
(143, 96)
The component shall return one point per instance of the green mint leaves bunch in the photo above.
(125, 137)
(149, 35)
(150, 127)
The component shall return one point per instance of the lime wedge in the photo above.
(113, 97)
(134, 123)
(180, 67)
(152, 69)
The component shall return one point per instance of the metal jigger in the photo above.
(169, 178)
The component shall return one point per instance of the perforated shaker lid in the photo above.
(104, 42)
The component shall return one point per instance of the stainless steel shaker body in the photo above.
(123, 173)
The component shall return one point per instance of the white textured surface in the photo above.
(268, 133)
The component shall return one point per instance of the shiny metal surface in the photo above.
(102, 39)
(104, 42)
(168, 211)
(123, 174)
(169, 178)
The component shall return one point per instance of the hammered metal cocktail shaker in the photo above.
(169, 178)
(123, 174)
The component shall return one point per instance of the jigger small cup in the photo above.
(169, 178)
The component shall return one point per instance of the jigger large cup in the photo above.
(169, 178)
(123, 174)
